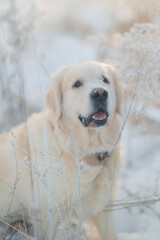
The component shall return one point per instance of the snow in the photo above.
(139, 181)
(46, 60)
(154, 114)
(50, 46)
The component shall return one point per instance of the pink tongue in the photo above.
(99, 116)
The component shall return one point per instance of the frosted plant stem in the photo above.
(123, 126)
(78, 173)
(134, 203)
(21, 78)
(75, 157)
(115, 160)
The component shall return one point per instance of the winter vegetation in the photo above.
(37, 37)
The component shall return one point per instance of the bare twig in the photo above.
(135, 203)
(154, 200)
(16, 229)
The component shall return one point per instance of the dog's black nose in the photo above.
(99, 94)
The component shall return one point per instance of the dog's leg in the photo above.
(105, 224)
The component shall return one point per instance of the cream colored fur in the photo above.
(39, 164)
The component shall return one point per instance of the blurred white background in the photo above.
(39, 36)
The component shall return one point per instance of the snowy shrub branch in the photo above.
(136, 54)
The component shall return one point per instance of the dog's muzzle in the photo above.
(97, 119)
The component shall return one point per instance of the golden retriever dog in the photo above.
(64, 161)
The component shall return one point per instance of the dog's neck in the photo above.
(87, 142)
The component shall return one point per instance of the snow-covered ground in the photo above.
(139, 183)
(59, 36)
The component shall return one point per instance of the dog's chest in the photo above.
(95, 193)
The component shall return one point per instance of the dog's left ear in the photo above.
(118, 90)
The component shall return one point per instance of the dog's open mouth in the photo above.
(96, 119)
(99, 116)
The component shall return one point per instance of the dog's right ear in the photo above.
(53, 100)
(54, 95)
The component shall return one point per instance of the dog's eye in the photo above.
(104, 79)
(77, 84)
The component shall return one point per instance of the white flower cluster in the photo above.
(136, 54)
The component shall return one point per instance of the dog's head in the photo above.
(89, 92)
